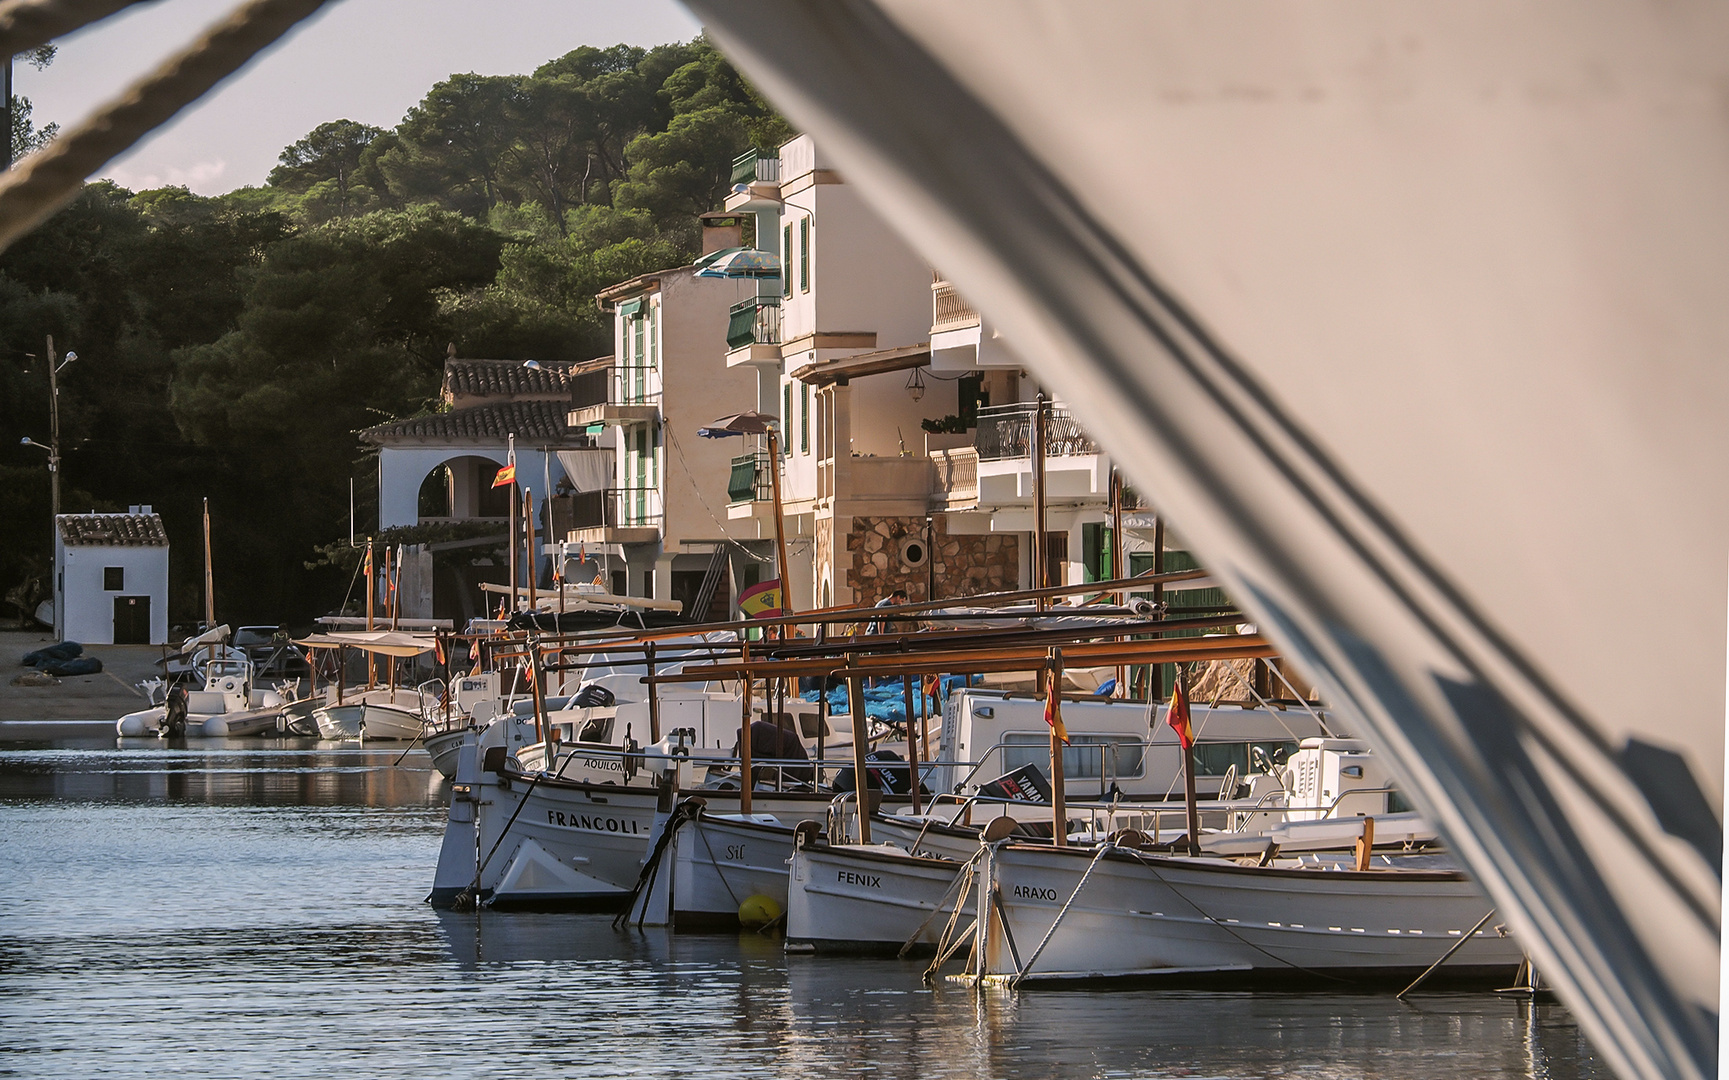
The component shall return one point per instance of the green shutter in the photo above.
(630, 307)
(804, 419)
(804, 254)
(786, 262)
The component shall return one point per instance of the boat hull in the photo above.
(853, 899)
(1204, 920)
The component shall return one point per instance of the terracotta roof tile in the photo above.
(505, 378)
(112, 530)
(530, 421)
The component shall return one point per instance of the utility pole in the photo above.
(7, 163)
(53, 406)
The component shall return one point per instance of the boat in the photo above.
(872, 898)
(1058, 914)
(227, 705)
(371, 714)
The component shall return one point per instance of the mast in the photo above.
(1041, 568)
(1059, 803)
(209, 577)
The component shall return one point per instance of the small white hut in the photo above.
(111, 578)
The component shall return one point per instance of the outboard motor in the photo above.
(174, 713)
(594, 696)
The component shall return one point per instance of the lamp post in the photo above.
(53, 448)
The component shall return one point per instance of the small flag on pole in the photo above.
(1053, 715)
(762, 600)
(506, 476)
(1178, 716)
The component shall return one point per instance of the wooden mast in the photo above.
(1041, 560)
(209, 577)
(855, 702)
(744, 768)
(779, 530)
(1117, 570)
(510, 545)
(532, 563)
(1059, 803)
(1194, 813)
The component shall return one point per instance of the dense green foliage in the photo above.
(231, 346)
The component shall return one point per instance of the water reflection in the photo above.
(236, 911)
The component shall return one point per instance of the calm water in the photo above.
(257, 912)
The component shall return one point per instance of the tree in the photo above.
(26, 138)
(452, 146)
(330, 154)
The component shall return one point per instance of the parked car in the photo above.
(271, 651)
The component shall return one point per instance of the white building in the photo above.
(649, 507)
(111, 578)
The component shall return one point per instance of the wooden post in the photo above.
(558, 579)
(912, 739)
(1041, 543)
(341, 670)
(535, 676)
(371, 600)
(209, 578)
(855, 704)
(821, 726)
(779, 531)
(1189, 777)
(510, 544)
(744, 767)
(528, 543)
(1366, 844)
(1117, 569)
(1059, 804)
(1158, 673)
(653, 699)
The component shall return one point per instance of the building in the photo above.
(647, 509)
(111, 578)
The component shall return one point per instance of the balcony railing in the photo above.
(753, 166)
(751, 480)
(948, 310)
(954, 476)
(615, 385)
(754, 322)
(615, 508)
(1006, 431)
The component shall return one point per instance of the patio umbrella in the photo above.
(755, 423)
(739, 263)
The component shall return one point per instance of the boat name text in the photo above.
(869, 881)
(593, 824)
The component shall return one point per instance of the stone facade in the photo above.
(965, 564)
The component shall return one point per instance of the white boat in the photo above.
(1049, 913)
(711, 863)
(227, 705)
(871, 898)
(371, 714)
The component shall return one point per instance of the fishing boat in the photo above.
(387, 712)
(1046, 913)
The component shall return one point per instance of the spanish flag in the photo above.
(1053, 713)
(1178, 716)
(506, 476)
(762, 600)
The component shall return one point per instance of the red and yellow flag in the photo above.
(1178, 716)
(506, 476)
(1053, 714)
(761, 601)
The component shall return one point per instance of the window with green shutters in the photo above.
(785, 419)
(804, 254)
(804, 418)
(786, 261)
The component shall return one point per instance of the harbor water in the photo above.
(221, 909)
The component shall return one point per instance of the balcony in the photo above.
(753, 332)
(615, 516)
(955, 478)
(755, 182)
(1076, 472)
(751, 480)
(1006, 431)
(614, 395)
(949, 311)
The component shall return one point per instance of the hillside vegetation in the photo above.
(231, 346)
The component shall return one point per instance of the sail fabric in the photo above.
(1409, 317)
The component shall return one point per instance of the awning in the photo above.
(588, 470)
(383, 642)
(825, 372)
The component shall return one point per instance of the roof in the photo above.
(112, 530)
(506, 378)
(824, 372)
(529, 421)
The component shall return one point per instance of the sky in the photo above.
(365, 60)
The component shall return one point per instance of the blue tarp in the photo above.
(887, 702)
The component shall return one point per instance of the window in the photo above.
(785, 419)
(972, 394)
(786, 262)
(804, 254)
(113, 578)
(804, 419)
(620, 583)
(1085, 756)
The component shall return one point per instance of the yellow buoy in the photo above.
(757, 912)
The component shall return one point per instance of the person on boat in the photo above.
(894, 599)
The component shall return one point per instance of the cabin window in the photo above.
(113, 578)
(1216, 759)
(1085, 756)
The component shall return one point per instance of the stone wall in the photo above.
(965, 564)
